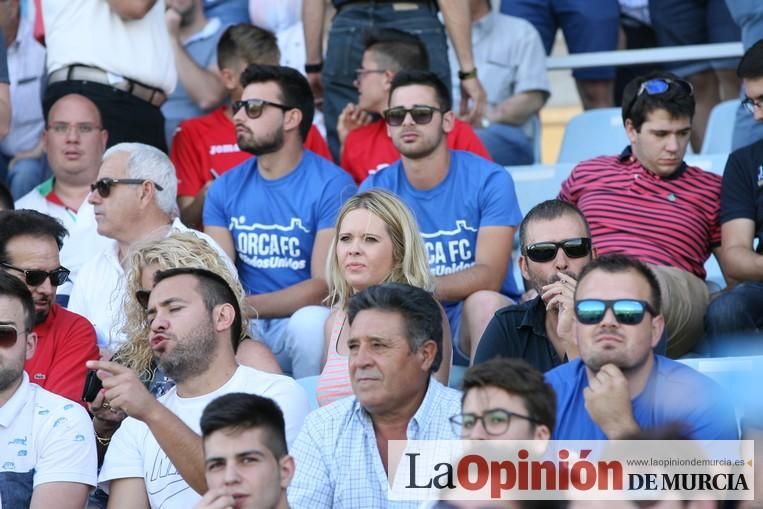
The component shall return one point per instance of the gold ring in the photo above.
(106, 405)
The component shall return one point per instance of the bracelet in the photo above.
(467, 75)
(104, 441)
(313, 68)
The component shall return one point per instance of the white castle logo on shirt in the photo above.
(269, 246)
(448, 256)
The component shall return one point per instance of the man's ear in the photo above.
(427, 351)
(223, 315)
(287, 467)
(522, 261)
(448, 121)
(658, 326)
(630, 130)
(31, 344)
(293, 119)
(541, 432)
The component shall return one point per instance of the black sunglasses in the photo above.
(103, 186)
(254, 107)
(421, 115)
(142, 297)
(542, 252)
(495, 422)
(35, 277)
(8, 335)
(626, 311)
(658, 86)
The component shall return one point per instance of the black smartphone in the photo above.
(92, 386)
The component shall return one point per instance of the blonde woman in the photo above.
(376, 240)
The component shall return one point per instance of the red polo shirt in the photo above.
(65, 340)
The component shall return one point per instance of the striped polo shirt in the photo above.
(670, 221)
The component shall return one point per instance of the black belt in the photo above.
(79, 72)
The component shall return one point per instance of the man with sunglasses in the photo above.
(740, 309)
(366, 144)
(618, 386)
(29, 250)
(274, 215)
(465, 205)
(555, 245)
(649, 204)
(48, 456)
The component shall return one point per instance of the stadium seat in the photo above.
(536, 138)
(720, 127)
(538, 182)
(714, 163)
(591, 134)
(310, 384)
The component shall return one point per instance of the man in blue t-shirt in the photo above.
(274, 214)
(465, 205)
(618, 386)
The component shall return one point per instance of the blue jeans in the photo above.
(345, 51)
(736, 311)
(230, 12)
(27, 174)
(508, 144)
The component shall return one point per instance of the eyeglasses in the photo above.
(421, 115)
(103, 186)
(8, 335)
(62, 128)
(658, 86)
(142, 297)
(254, 107)
(542, 252)
(626, 311)
(495, 422)
(752, 104)
(359, 73)
(34, 277)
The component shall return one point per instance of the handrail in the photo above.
(645, 56)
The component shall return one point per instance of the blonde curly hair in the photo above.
(180, 249)
(408, 253)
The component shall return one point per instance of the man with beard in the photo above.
(465, 205)
(48, 454)
(275, 214)
(194, 44)
(618, 386)
(29, 249)
(555, 243)
(156, 459)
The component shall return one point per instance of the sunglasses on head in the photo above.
(34, 277)
(104, 185)
(659, 86)
(254, 107)
(542, 252)
(626, 311)
(8, 335)
(421, 115)
(142, 297)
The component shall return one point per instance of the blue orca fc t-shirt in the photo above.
(475, 193)
(274, 222)
(674, 393)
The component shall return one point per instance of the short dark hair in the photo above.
(419, 309)
(751, 64)
(426, 78)
(398, 50)
(616, 264)
(240, 411)
(28, 222)
(214, 291)
(547, 211)
(675, 100)
(518, 378)
(6, 198)
(295, 90)
(252, 44)
(14, 288)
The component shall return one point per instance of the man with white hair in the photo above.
(134, 199)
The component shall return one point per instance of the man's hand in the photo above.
(123, 390)
(316, 85)
(608, 402)
(351, 118)
(216, 498)
(560, 298)
(472, 89)
(107, 418)
(172, 18)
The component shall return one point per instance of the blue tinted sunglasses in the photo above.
(658, 86)
(626, 311)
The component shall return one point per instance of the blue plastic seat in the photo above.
(593, 133)
(720, 128)
(310, 384)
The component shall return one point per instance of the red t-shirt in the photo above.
(208, 142)
(65, 340)
(369, 148)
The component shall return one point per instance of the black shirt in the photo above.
(519, 331)
(742, 188)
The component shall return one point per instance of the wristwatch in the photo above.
(467, 75)
(311, 68)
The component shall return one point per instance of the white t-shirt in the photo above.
(88, 32)
(134, 452)
(43, 438)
